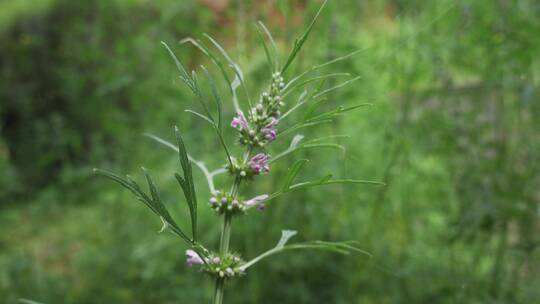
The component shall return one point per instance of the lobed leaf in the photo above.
(209, 175)
(336, 247)
(153, 202)
(186, 183)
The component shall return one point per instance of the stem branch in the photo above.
(224, 242)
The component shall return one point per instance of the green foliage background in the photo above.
(454, 132)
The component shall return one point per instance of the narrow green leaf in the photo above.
(336, 247)
(200, 96)
(202, 116)
(292, 173)
(302, 125)
(300, 42)
(184, 74)
(187, 182)
(337, 111)
(313, 79)
(153, 190)
(189, 200)
(209, 175)
(27, 301)
(320, 66)
(213, 58)
(118, 179)
(311, 144)
(319, 139)
(217, 96)
(325, 181)
(272, 43)
(302, 99)
(161, 210)
(266, 51)
(273, 61)
(153, 202)
(233, 65)
(337, 87)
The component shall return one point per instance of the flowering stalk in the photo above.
(224, 243)
(257, 128)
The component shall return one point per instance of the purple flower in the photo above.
(270, 131)
(239, 121)
(256, 201)
(259, 163)
(192, 258)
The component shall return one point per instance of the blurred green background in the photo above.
(454, 132)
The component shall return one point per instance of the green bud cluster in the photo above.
(239, 168)
(252, 138)
(223, 267)
(271, 99)
(222, 202)
(265, 115)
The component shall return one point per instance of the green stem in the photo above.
(225, 238)
(224, 242)
(218, 293)
(225, 235)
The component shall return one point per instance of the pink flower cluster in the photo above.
(193, 258)
(240, 121)
(256, 201)
(260, 163)
(270, 131)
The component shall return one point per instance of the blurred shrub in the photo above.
(78, 77)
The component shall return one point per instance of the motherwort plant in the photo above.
(257, 127)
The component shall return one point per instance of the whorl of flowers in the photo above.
(260, 127)
(224, 267)
(223, 202)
